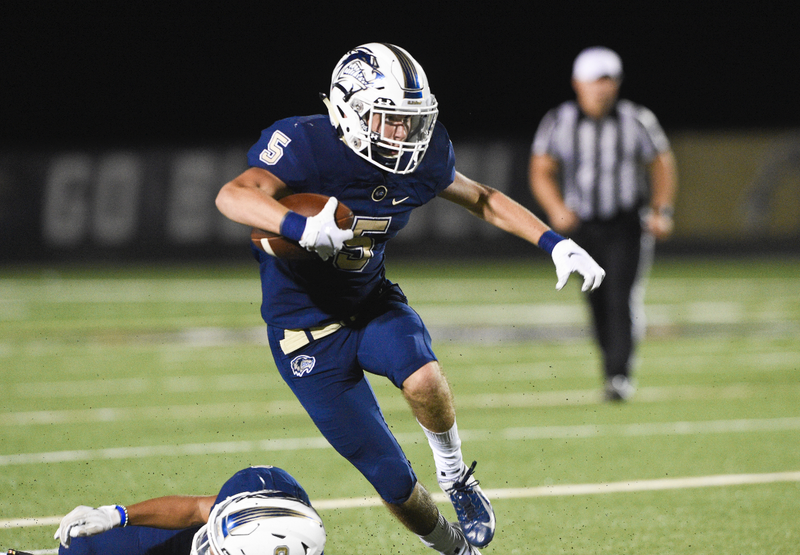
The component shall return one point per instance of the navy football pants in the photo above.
(339, 399)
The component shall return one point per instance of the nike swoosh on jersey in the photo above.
(398, 201)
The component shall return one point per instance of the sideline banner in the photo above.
(143, 204)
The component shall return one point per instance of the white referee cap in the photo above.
(596, 62)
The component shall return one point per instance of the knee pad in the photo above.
(393, 479)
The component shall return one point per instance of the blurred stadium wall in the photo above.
(739, 193)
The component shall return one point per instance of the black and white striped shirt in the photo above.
(602, 162)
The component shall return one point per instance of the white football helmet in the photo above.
(263, 523)
(375, 83)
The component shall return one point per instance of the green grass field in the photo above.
(120, 384)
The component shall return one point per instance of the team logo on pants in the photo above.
(302, 364)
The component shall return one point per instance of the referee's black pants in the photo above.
(616, 245)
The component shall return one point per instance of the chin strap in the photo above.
(332, 113)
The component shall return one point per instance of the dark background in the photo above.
(87, 80)
(176, 72)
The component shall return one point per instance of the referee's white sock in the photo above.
(446, 447)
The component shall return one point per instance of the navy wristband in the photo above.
(548, 240)
(293, 225)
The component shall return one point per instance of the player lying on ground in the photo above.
(203, 525)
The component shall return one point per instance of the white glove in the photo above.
(87, 521)
(322, 235)
(569, 257)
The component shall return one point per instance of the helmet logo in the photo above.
(302, 364)
(361, 67)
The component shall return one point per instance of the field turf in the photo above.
(123, 383)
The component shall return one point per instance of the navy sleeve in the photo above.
(440, 160)
(283, 150)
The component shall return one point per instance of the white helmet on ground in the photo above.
(372, 84)
(263, 523)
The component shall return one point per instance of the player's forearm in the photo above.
(250, 206)
(171, 512)
(250, 199)
(542, 176)
(508, 215)
(494, 207)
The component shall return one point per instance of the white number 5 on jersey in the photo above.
(274, 150)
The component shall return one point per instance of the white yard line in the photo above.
(389, 402)
(593, 489)
(317, 442)
(720, 480)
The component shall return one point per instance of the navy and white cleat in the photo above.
(474, 512)
(465, 548)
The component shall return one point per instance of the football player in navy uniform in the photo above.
(188, 525)
(380, 151)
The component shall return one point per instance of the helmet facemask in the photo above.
(200, 542)
(375, 84)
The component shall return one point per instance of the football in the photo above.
(305, 204)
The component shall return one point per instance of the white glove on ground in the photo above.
(87, 521)
(322, 235)
(569, 257)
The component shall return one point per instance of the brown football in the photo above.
(305, 204)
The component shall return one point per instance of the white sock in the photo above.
(445, 539)
(446, 447)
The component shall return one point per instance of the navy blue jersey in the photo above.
(307, 154)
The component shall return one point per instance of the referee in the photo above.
(604, 173)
